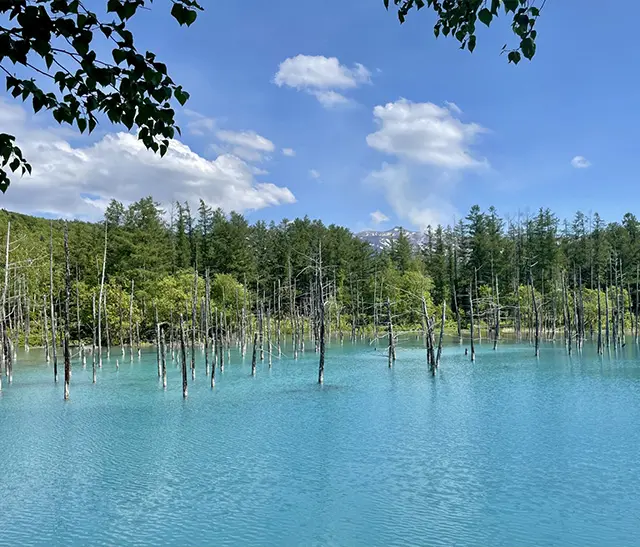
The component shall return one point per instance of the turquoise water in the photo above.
(507, 451)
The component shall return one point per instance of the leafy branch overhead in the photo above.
(459, 18)
(48, 53)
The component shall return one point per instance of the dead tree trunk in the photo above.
(391, 349)
(163, 357)
(606, 316)
(45, 335)
(157, 337)
(207, 303)
(67, 322)
(254, 353)
(473, 348)
(183, 358)
(321, 318)
(93, 335)
(131, 323)
(496, 333)
(599, 320)
(444, 317)
(104, 265)
(52, 309)
(536, 316)
(194, 305)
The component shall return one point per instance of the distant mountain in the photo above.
(383, 240)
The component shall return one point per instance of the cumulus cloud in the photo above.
(247, 145)
(424, 133)
(580, 162)
(378, 217)
(288, 152)
(432, 147)
(314, 174)
(321, 76)
(79, 180)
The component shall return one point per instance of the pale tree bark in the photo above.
(67, 322)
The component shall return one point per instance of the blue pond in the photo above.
(507, 451)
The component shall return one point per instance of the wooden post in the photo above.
(67, 322)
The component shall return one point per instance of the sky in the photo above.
(336, 111)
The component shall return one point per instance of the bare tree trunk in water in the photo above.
(45, 336)
(444, 317)
(157, 336)
(473, 348)
(67, 322)
(183, 358)
(254, 354)
(53, 315)
(599, 320)
(536, 316)
(207, 303)
(131, 323)
(321, 318)
(496, 336)
(392, 349)
(93, 338)
(606, 316)
(163, 357)
(104, 265)
(194, 304)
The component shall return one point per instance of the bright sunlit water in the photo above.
(507, 451)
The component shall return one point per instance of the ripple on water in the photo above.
(508, 451)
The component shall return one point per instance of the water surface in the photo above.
(507, 451)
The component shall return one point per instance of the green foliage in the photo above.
(61, 41)
(458, 18)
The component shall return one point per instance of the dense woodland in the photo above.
(211, 279)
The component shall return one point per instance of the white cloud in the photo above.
(453, 107)
(321, 76)
(314, 174)
(424, 133)
(378, 217)
(432, 147)
(329, 99)
(246, 139)
(580, 162)
(247, 145)
(78, 181)
(410, 198)
(199, 124)
(288, 152)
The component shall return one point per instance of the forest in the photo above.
(212, 279)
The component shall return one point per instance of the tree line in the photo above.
(145, 272)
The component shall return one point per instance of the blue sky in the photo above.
(382, 119)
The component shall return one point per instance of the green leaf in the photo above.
(181, 96)
(528, 47)
(471, 45)
(495, 6)
(119, 55)
(514, 57)
(82, 124)
(485, 16)
(386, 4)
(510, 5)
